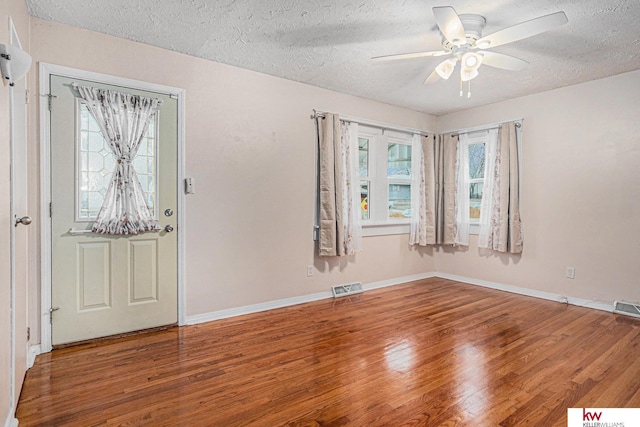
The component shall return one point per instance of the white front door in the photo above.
(105, 285)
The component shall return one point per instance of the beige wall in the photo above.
(250, 145)
(16, 9)
(580, 192)
(250, 148)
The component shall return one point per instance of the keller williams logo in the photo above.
(590, 416)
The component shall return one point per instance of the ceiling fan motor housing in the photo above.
(473, 26)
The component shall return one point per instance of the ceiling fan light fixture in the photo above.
(471, 61)
(445, 68)
(14, 63)
(465, 76)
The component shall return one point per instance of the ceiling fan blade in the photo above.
(523, 30)
(410, 55)
(433, 77)
(450, 25)
(500, 60)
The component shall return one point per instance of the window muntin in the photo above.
(96, 162)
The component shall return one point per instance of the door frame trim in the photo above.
(45, 72)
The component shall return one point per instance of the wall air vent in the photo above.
(350, 289)
(627, 308)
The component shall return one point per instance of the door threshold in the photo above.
(101, 340)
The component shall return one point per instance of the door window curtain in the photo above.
(123, 120)
(433, 190)
(500, 224)
(340, 229)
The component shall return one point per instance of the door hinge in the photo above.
(51, 310)
(28, 334)
(50, 210)
(26, 96)
(50, 96)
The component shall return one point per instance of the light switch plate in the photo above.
(189, 186)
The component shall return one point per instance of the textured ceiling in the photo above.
(330, 43)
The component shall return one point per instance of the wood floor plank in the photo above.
(429, 353)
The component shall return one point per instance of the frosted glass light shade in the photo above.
(445, 68)
(14, 63)
(470, 63)
(466, 76)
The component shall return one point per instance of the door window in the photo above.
(96, 162)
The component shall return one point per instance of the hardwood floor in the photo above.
(432, 353)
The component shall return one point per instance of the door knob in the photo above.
(25, 220)
(168, 228)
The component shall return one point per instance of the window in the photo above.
(365, 180)
(385, 180)
(476, 179)
(474, 146)
(96, 162)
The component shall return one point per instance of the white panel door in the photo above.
(107, 285)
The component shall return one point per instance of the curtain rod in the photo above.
(75, 85)
(375, 124)
(484, 127)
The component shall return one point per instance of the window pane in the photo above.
(475, 200)
(363, 144)
(97, 161)
(476, 161)
(364, 199)
(399, 201)
(399, 161)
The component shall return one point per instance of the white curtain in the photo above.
(462, 193)
(420, 177)
(501, 230)
(340, 225)
(489, 192)
(123, 120)
(350, 148)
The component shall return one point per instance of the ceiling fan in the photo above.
(462, 40)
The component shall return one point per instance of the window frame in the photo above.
(475, 138)
(379, 222)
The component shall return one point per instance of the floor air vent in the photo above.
(342, 290)
(627, 308)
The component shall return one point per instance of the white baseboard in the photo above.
(255, 308)
(270, 305)
(34, 350)
(11, 421)
(528, 292)
(398, 281)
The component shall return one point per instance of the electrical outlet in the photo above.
(571, 273)
(309, 270)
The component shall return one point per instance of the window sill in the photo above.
(474, 228)
(385, 229)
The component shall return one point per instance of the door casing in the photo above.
(45, 182)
